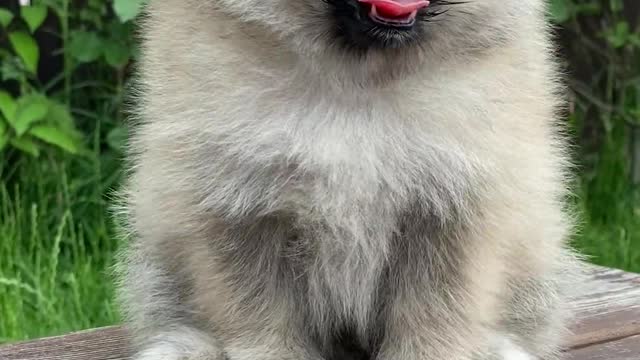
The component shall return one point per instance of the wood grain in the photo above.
(622, 349)
(608, 307)
(607, 327)
(98, 344)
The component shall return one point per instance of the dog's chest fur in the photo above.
(345, 171)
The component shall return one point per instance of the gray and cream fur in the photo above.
(293, 196)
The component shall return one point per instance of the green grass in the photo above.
(56, 247)
(609, 233)
(614, 245)
(57, 241)
(610, 205)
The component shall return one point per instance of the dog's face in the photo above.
(362, 25)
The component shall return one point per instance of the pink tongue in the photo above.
(396, 8)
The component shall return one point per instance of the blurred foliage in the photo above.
(600, 40)
(60, 60)
(64, 65)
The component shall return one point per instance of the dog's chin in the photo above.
(381, 37)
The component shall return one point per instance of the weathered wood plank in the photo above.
(608, 307)
(608, 327)
(624, 349)
(99, 344)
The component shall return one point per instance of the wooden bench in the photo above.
(607, 328)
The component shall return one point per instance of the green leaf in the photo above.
(60, 115)
(5, 17)
(27, 48)
(618, 36)
(85, 46)
(4, 134)
(26, 144)
(616, 5)
(634, 39)
(116, 54)
(591, 8)
(31, 109)
(7, 106)
(127, 9)
(55, 136)
(11, 68)
(33, 15)
(4, 140)
(3, 127)
(560, 10)
(117, 138)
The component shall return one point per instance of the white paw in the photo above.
(180, 345)
(510, 351)
(165, 351)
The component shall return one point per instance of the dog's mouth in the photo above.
(381, 24)
(394, 13)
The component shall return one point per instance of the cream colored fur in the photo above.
(414, 195)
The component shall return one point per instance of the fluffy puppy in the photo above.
(346, 179)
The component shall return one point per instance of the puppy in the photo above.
(346, 179)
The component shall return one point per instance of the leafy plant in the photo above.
(31, 118)
(35, 114)
(62, 79)
(601, 41)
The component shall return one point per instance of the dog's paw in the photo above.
(181, 345)
(508, 350)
